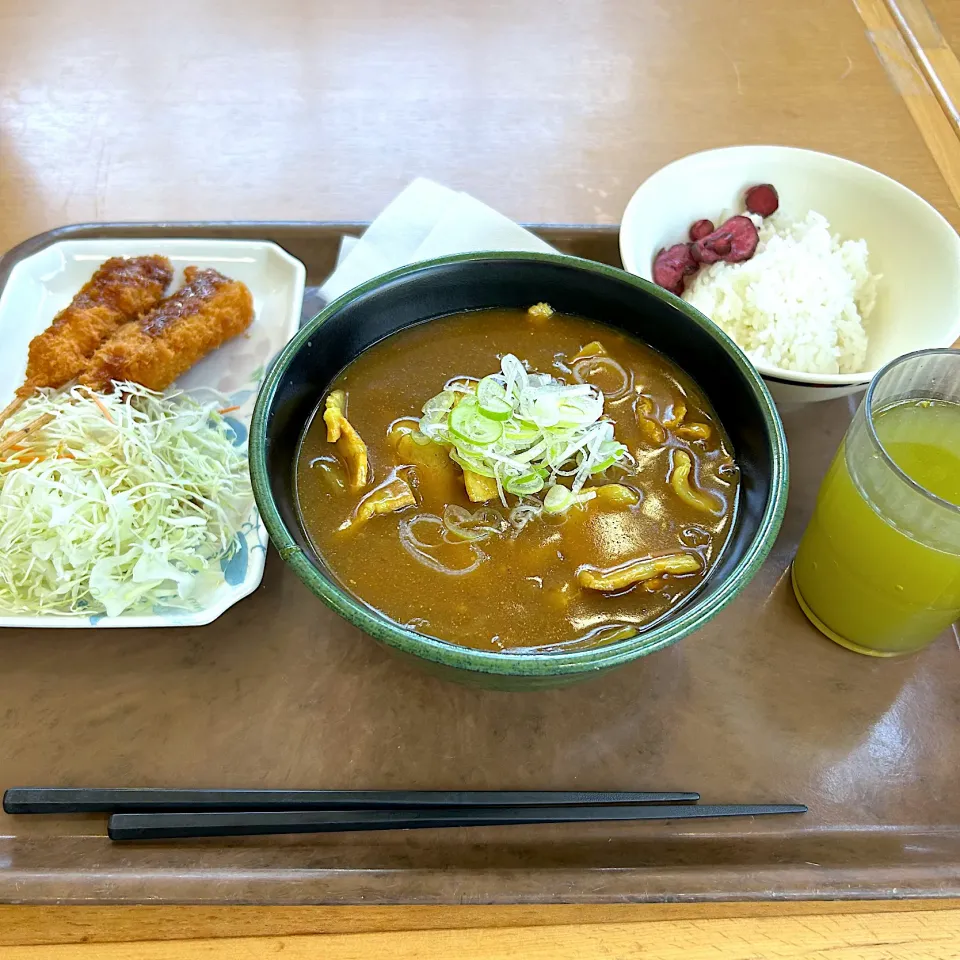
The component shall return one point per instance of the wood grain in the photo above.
(934, 55)
(899, 935)
(946, 13)
(926, 71)
(316, 110)
(24, 926)
(906, 74)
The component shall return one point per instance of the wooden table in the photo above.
(932, 34)
(325, 110)
(804, 931)
(947, 16)
(549, 112)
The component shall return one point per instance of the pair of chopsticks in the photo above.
(164, 814)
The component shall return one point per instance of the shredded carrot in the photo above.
(28, 458)
(229, 409)
(13, 439)
(102, 406)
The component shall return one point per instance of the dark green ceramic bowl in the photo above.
(425, 291)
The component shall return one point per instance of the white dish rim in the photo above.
(181, 249)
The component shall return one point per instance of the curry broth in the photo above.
(524, 592)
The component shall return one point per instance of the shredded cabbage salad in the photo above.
(121, 504)
(528, 431)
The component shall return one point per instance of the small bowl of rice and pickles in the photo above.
(820, 269)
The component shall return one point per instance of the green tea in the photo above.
(869, 584)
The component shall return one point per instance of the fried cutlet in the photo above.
(164, 343)
(117, 293)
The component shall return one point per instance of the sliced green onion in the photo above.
(468, 423)
(441, 403)
(472, 463)
(521, 432)
(422, 550)
(462, 525)
(523, 513)
(525, 485)
(492, 399)
(515, 374)
(523, 429)
(560, 498)
(531, 453)
(586, 368)
(611, 452)
(461, 384)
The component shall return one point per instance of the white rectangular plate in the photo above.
(43, 284)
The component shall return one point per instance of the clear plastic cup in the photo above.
(878, 568)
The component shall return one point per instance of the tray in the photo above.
(280, 692)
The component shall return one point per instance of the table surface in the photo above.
(800, 931)
(320, 110)
(317, 110)
(946, 13)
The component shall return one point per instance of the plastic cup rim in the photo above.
(878, 443)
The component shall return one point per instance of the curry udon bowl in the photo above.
(623, 304)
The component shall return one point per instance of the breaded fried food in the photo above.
(117, 293)
(154, 350)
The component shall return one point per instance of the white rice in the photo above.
(799, 303)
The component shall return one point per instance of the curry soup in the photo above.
(444, 548)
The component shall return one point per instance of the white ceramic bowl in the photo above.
(911, 245)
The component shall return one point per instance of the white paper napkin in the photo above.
(424, 221)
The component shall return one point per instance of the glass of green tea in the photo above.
(878, 568)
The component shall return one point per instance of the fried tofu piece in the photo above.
(206, 312)
(637, 571)
(480, 488)
(650, 426)
(681, 480)
(349, 443)
(592, 349)
(433, 456)
(676, 415)
(694, 431)
(335, 413)
(117, 293)
(617, 494)
(437, 473)
(389, 497)
(399, 429)
(541, 311)
(437, 476)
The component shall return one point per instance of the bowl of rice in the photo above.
(850, 271)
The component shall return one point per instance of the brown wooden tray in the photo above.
(280, 692)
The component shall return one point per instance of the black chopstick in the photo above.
(179, 826)
(147, 799)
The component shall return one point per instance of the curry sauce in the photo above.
(594, 573)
